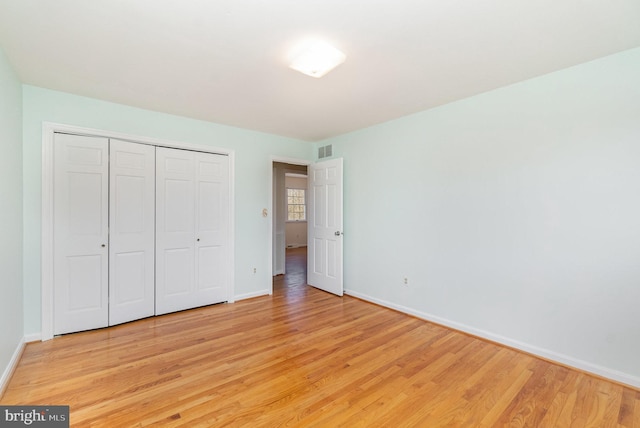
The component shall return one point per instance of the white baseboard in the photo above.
(35, 337)
(13, 363)
(605, 372)
(251, 295)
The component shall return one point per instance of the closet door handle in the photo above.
(198, 239)
(103, 245)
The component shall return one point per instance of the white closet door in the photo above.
(132, 231)
(175, 227)
(212, 228)
(192, 197)
(80, 233)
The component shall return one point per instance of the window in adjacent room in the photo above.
(296, 205)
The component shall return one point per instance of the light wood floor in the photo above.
(306, 358)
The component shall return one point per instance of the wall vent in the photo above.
(325, 151)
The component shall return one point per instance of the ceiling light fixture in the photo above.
(315, 58)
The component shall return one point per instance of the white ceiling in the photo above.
(224, 61)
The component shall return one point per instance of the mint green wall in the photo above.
(11, 306)
(514, 214)
(253, 151)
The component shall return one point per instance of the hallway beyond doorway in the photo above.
(296, 268)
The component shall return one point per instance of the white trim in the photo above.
(252, 295)
(617, 376)
(46, 232)
(48, 130)
(292, 161)
(34, 337)
(280, 159)
(11, 367)
(93, 132)
(232, 227)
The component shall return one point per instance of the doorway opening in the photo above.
(295, 277)
(289, 225)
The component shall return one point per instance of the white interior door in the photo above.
(80, 233)
(324, 219)
(131, 231)
(192, 229)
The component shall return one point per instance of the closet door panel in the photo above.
(212, 226)
(175, 227)
(80, 233)
(132, 232)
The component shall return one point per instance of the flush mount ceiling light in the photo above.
(315, 58)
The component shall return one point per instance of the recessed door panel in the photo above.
(178, 271)
(210, 266)
(85, 283)
(124, 157)
(211, 167)
(209, 207)
(85, 204)
(332, 256)
(129, 275)
(79, 154)
(178, 163)
(333, 219)
(130, 212)
(318, 260)
(318, 200)
(178, 206)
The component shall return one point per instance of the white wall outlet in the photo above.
(255, 270)
(405, 281)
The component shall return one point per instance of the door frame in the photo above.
(46, 259)
(280, 159)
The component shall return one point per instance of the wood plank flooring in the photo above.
(305, 358)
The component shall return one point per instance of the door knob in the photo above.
(198, 239)
(338, 233)
(103, 245)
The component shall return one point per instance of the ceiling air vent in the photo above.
(325, 151)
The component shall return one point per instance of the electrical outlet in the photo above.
(406, 281)
(255, 270)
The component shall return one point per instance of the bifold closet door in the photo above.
(80, 210)
(131, 231)
(192, 229)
